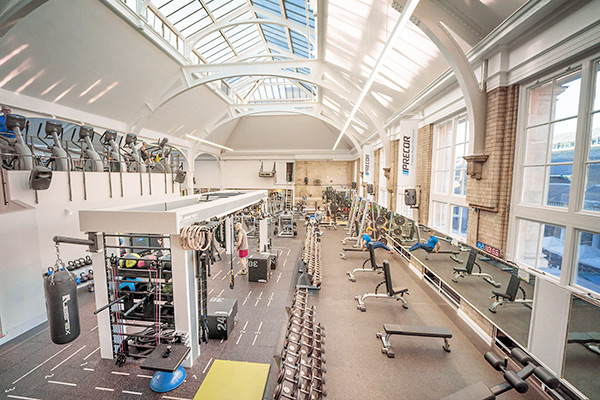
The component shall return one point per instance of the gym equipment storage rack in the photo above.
(163, 219)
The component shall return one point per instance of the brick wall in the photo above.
(490, 196)
(392, 184)
(327, 172)
(424, 155)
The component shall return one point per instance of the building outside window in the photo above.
(449, 210)
(556, 193)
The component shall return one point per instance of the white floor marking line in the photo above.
(63, 361)
(120, 373)
(63, 383)
(237, 262)
(88, 356)
(245, 300)
(257, 300)
(259, 326)
(217, 274)
(207, 364)
(88, 369)
(288, 254)
(245, 325)
(129, 392)
(221, 292)
(174, 398)
(144, 376)
(221, 340)
(41, 364)
(254, 341)
(284, 261)
(270, 300)
(238, 341)
(94, 328)
(105, 389)
(224, 276)
(12, 396)
(279, 277)
(210, 291)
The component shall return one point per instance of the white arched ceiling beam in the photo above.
(429, 19)
(230, 21)
(13, 11)
(252, 53)
(197, 75)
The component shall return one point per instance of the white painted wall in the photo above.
(207, 173)
(243, 174)
(26, 236)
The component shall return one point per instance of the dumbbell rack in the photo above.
(311, 256)
(137, 331)
(302, 368)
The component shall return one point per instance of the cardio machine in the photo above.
(113, 150)
(136, 163)
(18, 155)
(162, 165)
(54, 130)
(92, 161)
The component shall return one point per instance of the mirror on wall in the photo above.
(497, 289)
(582, 355)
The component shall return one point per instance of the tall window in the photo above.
(550, 141)
(555, 224)
(449, 209)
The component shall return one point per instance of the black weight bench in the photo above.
(407, 330)
(590, 340)
(391, 292)
(346, 249)
(468, 270)
(374, 266)
(453, 257)
(510, 296)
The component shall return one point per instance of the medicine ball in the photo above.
(131, 260)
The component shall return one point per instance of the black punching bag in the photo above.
(61, 304)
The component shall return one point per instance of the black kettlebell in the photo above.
(70, 265)
(88, 260)
(82, 262)
(90, 274)
(83, 277)
(90, 287)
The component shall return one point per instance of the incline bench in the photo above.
(374, 266)
(391, 292)
(406, 330)
(468, 270)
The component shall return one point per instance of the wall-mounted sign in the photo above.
(368, 164)
(489, 249)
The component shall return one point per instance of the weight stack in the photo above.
(62, 308)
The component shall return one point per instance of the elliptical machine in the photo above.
(19, 156)
(54, 130)
(163, 165)
(136, 163)
(92, 161)
(113, 151)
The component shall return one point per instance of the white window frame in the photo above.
(574, 218)
(449, 198)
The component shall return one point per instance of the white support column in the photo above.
(101, 295)
(264, 235)
(228, 235)
(185, 297)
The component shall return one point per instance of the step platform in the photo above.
(234, 380)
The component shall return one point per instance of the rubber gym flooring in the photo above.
(31, 367)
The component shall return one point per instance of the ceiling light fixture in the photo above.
(407, 12)
(210, 143)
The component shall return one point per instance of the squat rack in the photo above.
(161, 219)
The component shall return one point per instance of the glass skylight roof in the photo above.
(249, 41)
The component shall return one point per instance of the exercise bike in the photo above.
(113, 151)
(162, 157)
(16, 155)
(91, 158)
(54, 130)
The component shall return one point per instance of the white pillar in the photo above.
(101, 295)
(228, 235)
(185, 297)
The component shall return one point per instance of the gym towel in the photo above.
(234, 380)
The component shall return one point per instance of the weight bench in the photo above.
(406, 330)
(345, 249)
(391, 292)
(514, 285)
(374, 266)
(468, 270)
(590, 340)
(453, 257)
